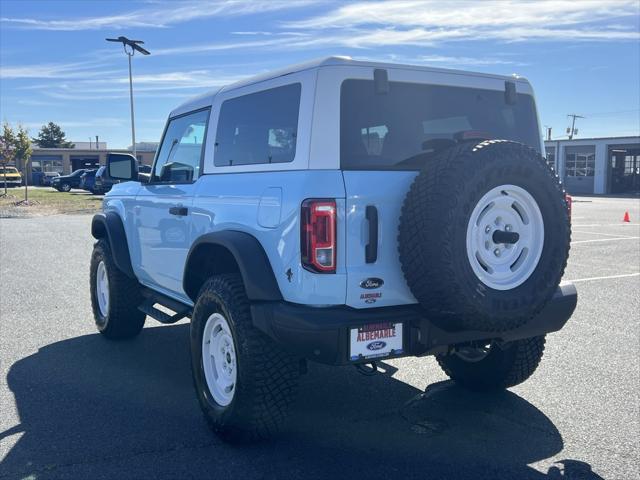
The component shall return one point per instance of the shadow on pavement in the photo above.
(98, 409)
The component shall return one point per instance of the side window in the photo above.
(181, 150)
(258, 128)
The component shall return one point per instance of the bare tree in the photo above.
(7, 150)
(23, 152)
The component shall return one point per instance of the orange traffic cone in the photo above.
(626, 217)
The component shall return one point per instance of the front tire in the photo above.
(115, 297)
(65, 187)
(497, 367)
(244, 382)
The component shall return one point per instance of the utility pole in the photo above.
(572, 130)
(134, 45)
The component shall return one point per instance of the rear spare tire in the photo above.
(484, 236)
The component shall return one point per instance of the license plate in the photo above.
(375, 340)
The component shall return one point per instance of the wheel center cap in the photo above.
(501, 236)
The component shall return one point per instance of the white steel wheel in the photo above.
(102, 289)
(505, 237)
(219, 359)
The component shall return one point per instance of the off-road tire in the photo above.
(123, 319)
(267, 377)
(433, 230)
(505, 366)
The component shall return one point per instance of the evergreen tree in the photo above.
(52, 136)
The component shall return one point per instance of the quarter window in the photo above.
(182, 147)
(260, 127)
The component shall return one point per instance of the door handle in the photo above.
(179, 211)
(371, 249)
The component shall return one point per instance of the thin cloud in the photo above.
(93, 122)
(178, 84)
(160, 15)
(466, 61)
(221, 46)
(55, 70)
(509, 20)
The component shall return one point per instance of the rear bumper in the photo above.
(11, 183)
(322, 334)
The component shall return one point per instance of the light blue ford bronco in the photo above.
(341, 212)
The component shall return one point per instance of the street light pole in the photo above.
(133, 123)
(134, 45)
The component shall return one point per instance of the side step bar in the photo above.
(152, 298)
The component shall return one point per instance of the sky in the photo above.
(582, 56)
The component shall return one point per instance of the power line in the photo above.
(602, 114)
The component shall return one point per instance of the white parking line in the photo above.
(599, 233)
(606, 278)
(606, 225)
(605, 240)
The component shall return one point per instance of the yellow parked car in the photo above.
(14, 179)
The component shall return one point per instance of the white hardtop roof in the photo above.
(206, 99)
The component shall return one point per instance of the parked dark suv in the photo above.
(103, 182)
(87, 180)
(66, 182)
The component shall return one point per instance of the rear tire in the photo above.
(258, 380)
(115, 297)
(504, 366)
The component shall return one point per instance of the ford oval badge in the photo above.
(371, 283)
(377, 345)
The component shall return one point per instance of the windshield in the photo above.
(397, 130)
(4, 170)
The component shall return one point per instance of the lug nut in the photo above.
(507, 228)
(487, 229)
(496, 252)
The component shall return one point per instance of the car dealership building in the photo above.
(597, 165)
(604, 165)
(82, 155)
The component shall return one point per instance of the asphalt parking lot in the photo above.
(73, 405)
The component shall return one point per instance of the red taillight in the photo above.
(568, 199)
(318, 235)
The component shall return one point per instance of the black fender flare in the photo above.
(109, 225)
(258, 277)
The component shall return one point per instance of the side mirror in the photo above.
(122, 166)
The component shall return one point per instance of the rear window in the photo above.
(399, 129)
(4, 170)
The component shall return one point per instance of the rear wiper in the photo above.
(429, 147)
